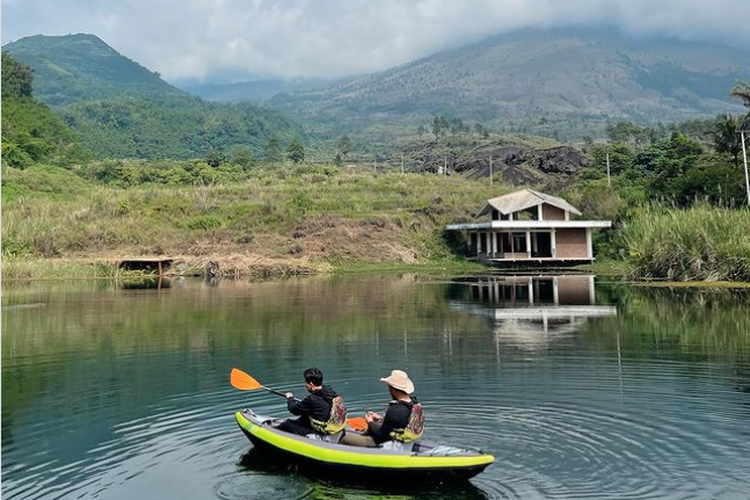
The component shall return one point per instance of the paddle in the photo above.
(244, 382)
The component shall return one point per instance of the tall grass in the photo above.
(700, 243)
(330, 216)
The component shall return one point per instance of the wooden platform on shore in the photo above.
(156, 264)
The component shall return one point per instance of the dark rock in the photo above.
(560, 160)
(212, 269)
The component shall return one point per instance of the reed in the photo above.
(700, 243)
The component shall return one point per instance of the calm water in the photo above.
(580, 389)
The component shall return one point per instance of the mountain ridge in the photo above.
(121, 109)
(554, 75)
(83, 67)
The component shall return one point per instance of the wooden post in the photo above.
(375, 164)
(445, 166)
(402, 163)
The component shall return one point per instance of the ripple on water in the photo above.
(565, 418)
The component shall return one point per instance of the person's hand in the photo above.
(289, 395)
(373, 417)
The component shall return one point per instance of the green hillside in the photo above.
(567, 83)
(122, 110)
(142, 129)
(30, 131)
(82, 67)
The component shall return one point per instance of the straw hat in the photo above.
(399, 380)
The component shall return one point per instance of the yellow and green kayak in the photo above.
(420, 460)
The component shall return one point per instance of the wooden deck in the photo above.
(151, 264)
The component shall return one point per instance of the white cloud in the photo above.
(210, 39)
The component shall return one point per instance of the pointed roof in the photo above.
(523, 199)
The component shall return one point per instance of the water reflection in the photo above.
(530, 311)
(255, 461)
(580, 388)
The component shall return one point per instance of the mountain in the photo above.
(82, 67)
(120, 109)
(254, 91)
(31, 132)
(528, 81)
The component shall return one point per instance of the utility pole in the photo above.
(491, 173)
(744, 159)
(609, 182)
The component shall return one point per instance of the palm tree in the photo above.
(726, 136)
(742, 91)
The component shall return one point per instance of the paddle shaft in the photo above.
(278, 393)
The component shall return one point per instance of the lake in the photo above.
(581, 387)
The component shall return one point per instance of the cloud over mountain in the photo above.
(224, 40)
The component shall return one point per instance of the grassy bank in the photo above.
(700, 243)
(286, 220)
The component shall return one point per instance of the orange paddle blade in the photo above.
(357, 423)
(242, 381)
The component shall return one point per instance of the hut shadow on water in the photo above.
(327, 486)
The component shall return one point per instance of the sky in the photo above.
(221, 41)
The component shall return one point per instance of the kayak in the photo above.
(419, 460)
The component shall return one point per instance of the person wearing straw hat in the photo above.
(403, 420)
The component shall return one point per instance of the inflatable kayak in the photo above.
(420, 460)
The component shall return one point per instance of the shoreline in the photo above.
(19, 270)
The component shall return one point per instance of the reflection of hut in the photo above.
(528, 309)
(529, 226)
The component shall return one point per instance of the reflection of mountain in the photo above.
(528, 310)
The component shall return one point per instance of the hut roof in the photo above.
(523, 199)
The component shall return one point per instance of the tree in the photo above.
(440, 125)
(345, 146)
(727, 137)
(215, 158)
(630, 133)
(17, 78)
(242, 157)
(620, 158)
(296, 151)
(421, 130)
(742, 91)
(457, 126)
(273, 151)
(437, 126)
(338, 160)
(662, 163)
(710, 178)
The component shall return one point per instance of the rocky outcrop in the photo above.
(561, 160)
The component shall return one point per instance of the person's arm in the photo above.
(296, 407)
(394, 417)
